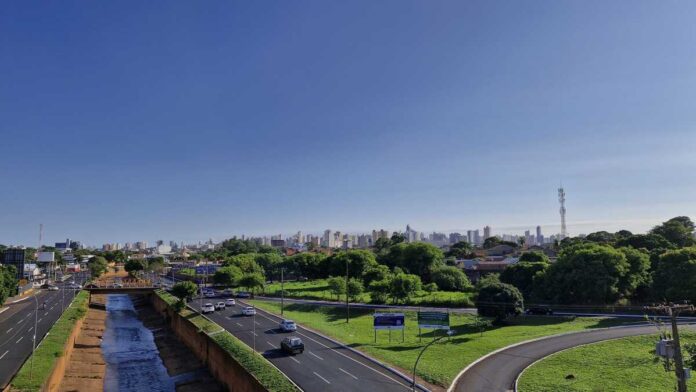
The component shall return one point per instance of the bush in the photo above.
(499, 300)
(450, 279)
(430, 287)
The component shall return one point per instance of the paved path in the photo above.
(324, 365)
(498, 372)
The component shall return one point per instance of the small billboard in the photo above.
(389, 321)
(46, 257)
(433, 320)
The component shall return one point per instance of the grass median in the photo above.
(319, 290)
(267, 374)
(51, 347)
(443, 360)
(625, 364)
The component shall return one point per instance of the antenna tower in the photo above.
(561, 199)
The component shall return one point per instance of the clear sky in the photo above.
(184, 120)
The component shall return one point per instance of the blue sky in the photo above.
(125, 121)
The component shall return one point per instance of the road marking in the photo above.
(344, 355)
(3, 355)
(295, 359)
(325, 380)
(255, 334)
(257, 323)
(39, 320)
(8, 331)
(316, 355)
(271, 344)
(19, 340)
(347, 373)
(46, 314)
(29, 330)
(239, 324)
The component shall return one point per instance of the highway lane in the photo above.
(498, 372)
(323, 365)
(17, 327)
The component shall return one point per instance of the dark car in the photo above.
(243, 294)
(292, 345)
(539, 309)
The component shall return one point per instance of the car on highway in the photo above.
(248, 311)
(539, 310)
(288, 326)
(243, 294)
(228, 292)
(292, 345)
(208, 308)
(74, 286)
(209, 294)
(53, 288)
(230, 302)
(220, 306)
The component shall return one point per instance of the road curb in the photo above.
(361, 354)
(480, 359)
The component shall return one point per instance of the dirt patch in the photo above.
(189, 373)
(85, 370)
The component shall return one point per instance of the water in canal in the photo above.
(132, 359)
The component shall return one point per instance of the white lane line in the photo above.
(29, 330)
(257, 323)
(39, 320)
(316, 355)
(19, 340)
(341, 354)
(46, 314)
(325, 380)
(255, 334)
(20, 321)
(3, 355)
(8, 331)
(295, 359)
(271, 344)
(347, 373)
(239, 324)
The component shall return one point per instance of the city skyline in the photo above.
(188, 123)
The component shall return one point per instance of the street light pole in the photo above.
(282, 291)
(33, 347)
(413, 385)
(347, 302)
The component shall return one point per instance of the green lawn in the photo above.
(616, 365)
(51, 347)
(319, 290)
(442, 361)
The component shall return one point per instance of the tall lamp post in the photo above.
(347, 302)
(449, 333)
(282, 291)
(33, 347)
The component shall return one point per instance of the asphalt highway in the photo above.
(17, 326)
(324, 366)
(498, 372)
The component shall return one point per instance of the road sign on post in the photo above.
(433, 320)
(389, 321)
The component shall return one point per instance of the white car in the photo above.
(53, 288)
(230, 302)
(208, 308)
(220, 306)
(209, 294)
(288, 326)
(248, 311)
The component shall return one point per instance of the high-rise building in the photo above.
(15, 257)
(539, 236)
(411, 235)
(328, 240)
(486, 232)
(477, 238)
(455, 237)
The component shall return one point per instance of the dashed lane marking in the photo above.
(347, 373)
(325, 380)
(316, 356)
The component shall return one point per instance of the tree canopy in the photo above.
(499, 300)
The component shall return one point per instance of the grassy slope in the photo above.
(442, 361)
(269, 376)
(51, 347)
(617, 365)
(318, 289)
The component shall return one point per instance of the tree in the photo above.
(252, 281)
(397, 238)
(227, 276)
(375, 273)
(679, 231)
(404, 286)
(500, 301)
(417, 258)
(601, 237)
(97, 266)
(190, 272)
(675, 277)
(649, 241)
(491, 242)
(337, 286)
(307, 264)
(184, 291)
(234, 246)
(534, 257)
(246, 262)
(587, 273)
(379, 290)
(638, 275)
(522, 274)
(382, 244)
(155, 264)
(354, 289)
(8, 282)
(271, 262)
(450, 279)
(133, 266)
(460, 250)
(357, 261)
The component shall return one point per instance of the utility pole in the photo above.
(347, 302)
(282, 291)
(673, 310)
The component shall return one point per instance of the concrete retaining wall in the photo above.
(221, 364)
(58, 372)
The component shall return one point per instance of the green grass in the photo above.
(319, 290)
(617, 365)
(267, 374)
(51, 347)
(443, 360)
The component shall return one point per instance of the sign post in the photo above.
(389, 321)
(433, 320)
